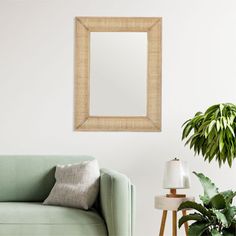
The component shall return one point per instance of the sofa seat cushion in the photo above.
(35, 219)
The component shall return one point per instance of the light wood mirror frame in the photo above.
(152, 120)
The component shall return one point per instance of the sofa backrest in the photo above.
(30, 178)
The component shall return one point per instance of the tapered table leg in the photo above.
(163, 222)
(186, 223)
(174, 223)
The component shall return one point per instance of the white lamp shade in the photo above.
(176, 175)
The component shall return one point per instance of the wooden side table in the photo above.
(171, 203)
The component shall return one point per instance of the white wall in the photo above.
(36, 87)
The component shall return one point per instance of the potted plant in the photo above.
(215, 216)
(212, 133)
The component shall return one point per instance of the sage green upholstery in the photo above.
(116, 188)
(25, 181)
(31, 178)
(29, 218)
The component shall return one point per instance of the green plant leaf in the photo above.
(230, 213)
(211, 125)
(187, 121)
(224, 122)
(231, 231)
(214, 133)
(215, 232)
(221, 141)
(210, 190)
(194, 216)
(218, 125)
(213, 150)
(218, 202)
(231, 130)
(215, 218)
(187, 130)
(225, 233)
(228, 196)
(195, 206)
(197, 229)
(221, 218)
(221, 109)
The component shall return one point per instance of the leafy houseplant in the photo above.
(213, 133)
(216, 216)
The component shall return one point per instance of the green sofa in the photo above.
(25, 181)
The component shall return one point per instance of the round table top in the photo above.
(170, 203)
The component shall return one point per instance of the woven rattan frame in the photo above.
(152, 120)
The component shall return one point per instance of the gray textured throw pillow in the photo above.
(77, 185)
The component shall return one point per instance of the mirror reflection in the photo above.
(118, 73)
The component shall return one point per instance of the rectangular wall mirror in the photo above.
(122, 69)
(118, 74)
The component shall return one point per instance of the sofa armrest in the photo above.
(117, 203)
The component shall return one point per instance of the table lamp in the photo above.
(176, 176)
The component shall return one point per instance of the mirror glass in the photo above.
(118, 73)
